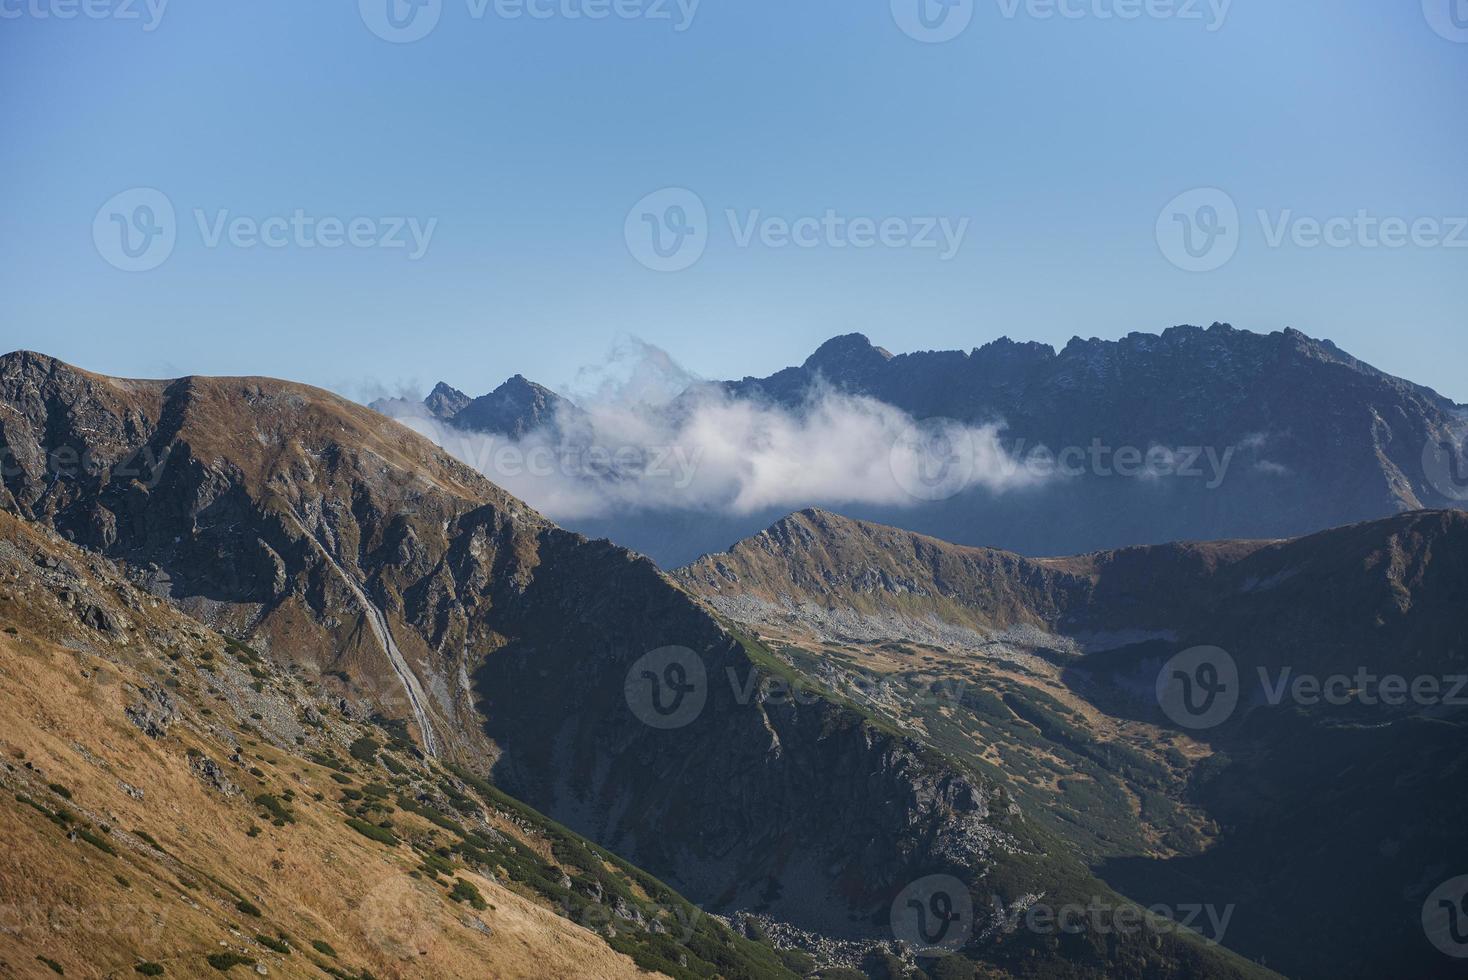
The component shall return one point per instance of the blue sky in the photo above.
(525, 143)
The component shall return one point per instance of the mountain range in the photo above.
(839, 749)
(1193, 434)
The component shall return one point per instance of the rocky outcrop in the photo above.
(153, 711)
(444, 401)
(212, 774)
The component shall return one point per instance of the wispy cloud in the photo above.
(647, 435)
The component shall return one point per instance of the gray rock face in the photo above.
(212, 774)
(514, 409)
(153, 711)
(445, 402)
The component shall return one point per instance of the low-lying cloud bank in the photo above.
(646, 438)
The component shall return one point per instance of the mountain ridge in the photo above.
(1299, 434)
(395, 578)
(1050, 669)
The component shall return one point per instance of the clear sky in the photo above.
(1061, 140)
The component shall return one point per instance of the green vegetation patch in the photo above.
(365, 750)
(380, 834)
(465, 891)
(278, 811)
(224, 962)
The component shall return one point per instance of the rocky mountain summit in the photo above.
(514, 409)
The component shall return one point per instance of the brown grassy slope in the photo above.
(64, 689)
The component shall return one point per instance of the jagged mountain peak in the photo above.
(445, 401)
(519, 386)
(845, 356)
(516, 408)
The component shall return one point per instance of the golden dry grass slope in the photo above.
(134, 746)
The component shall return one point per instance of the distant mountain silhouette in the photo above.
(1263, 436)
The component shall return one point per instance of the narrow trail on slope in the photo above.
(377, 620)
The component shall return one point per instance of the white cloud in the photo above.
(634, 443)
